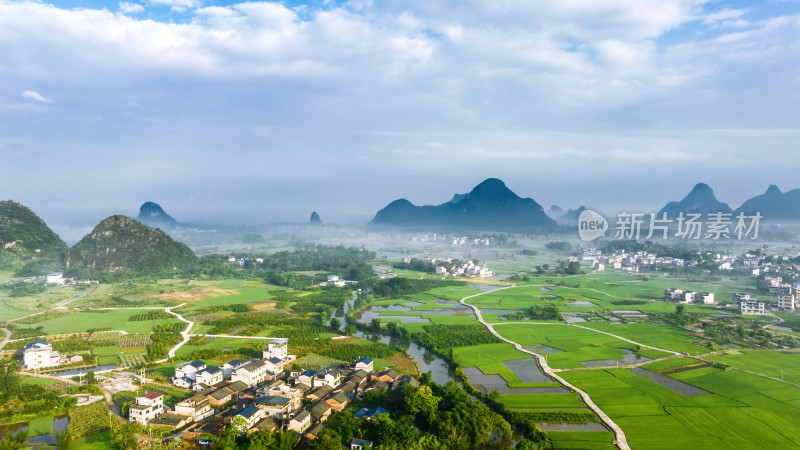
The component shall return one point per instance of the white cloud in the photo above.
(130, 8)
(178, 6)
(33, 95)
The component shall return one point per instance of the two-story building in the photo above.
(39, 354)
(146, 408)
(196, 407)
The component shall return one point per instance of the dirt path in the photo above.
(619, 435)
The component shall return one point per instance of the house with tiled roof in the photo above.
(146, 408)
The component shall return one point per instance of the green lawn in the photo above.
(110, 350)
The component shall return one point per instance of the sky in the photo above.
(257, 112)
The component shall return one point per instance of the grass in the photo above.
(40, 426)
(510, 378)
(106, 351)
(381, 364)
(100, 441)
(116, 319)
(36, 381)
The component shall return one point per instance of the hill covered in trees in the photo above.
(26, 239)
(120, 243)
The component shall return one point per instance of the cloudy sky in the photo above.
(254, 112)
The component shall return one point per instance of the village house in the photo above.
(39, 354)
(319, 393)
(146, 408)
(320, 411)
(300, 422)
(387, 376)
(228, 368)
(360, 444)
(196, 408)
(209, 376)
(189, 370)
(328, 377)
(338, 401)
(251, 414)
(252, 373)
(365, 364)
(786, 302)
(752, 306)
(274, 406)
(369, 413)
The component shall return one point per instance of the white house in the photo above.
(364, 364)
(752, 307)
(146, 408)
(279, 348)
(328, 377)
(189, 370)
(55, 278)
(300, 422)
(39, 354)
(786, 302)
(196, 407)
(706, 298)
(252, 373)
(209, 376)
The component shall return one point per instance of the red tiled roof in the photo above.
(153, 395)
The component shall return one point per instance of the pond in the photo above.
(83, 371)
(60, 423)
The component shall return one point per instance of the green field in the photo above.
(220, 344)
(661, 336)
(775, 364)
(40, 426)
(110, 350)
(741, 410)
(116, 319)
(478, 355)
(100, 441)
(582, 439)
(566, 400)
(577, 344)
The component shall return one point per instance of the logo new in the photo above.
(591, 225)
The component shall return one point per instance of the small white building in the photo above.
(786, 302)
(752, 307)
(189, 370)
(39, 354)
(146, 408)
(328, 377)
(55, 278)
(300, 422)
(705, 298)
(252, 373)
(209, 376)
(279, 348)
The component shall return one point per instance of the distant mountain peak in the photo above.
(492, 189)
(315, 219)
(701, 199)
(489, 206)
(151, 213)
(773, 190)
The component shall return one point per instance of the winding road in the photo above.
(619, 435)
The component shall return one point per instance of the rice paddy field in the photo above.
(576, 345)
(740, 410)
(785, 365)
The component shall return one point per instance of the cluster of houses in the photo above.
(681, 296)
(627, 261)
(40, 354)
(263, 399)
(451, 267)
(787, 293)
(453, 239)
(56, 279)
(334, 280)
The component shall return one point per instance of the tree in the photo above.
(63, 440)
(335, 324)
(262, 440)
(423, 404)
(9, 379)
(90, 378)
(125, 435)
(327, 439)
(574, 268)
(679, 310)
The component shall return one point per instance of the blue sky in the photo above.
(255, 112)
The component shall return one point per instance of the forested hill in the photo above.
(121, 243)
(24, 237)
